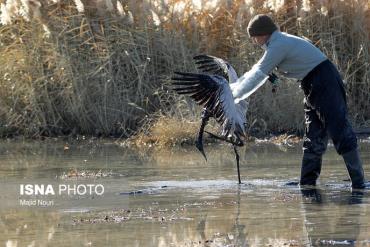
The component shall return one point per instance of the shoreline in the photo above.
(152, 143)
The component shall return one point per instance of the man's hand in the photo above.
(274, 81)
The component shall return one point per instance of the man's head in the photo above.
(260, 28)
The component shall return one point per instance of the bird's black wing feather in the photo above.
(212, 65)
(205, 89)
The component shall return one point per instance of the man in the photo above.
(325, 100)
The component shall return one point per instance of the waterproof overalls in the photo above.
(325, 101)
(326, 116)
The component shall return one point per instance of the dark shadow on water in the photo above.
(236, 236)
(239, 228)
(312, 194)
(326, 227)
(356, 197)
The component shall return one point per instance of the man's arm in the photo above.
(258, 75)
(272, 57)
(248, 84)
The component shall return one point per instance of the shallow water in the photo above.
(175, 198)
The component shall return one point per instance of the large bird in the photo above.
(211, 89)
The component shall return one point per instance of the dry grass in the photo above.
(89, 77)
(103, 68)
(166, 132)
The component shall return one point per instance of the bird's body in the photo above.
(214, 93)
(211, 89)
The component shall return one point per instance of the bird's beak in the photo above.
(201, 149)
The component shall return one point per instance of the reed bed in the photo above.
(165, 132)
(103, 68)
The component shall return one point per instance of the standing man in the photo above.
(325, 100)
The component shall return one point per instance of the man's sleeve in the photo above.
(248, 84)
(258, 75)
(270, 59)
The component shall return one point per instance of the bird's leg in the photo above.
(199, 142)
(225, 139)
(237, 157)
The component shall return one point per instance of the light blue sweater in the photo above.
(293, 57)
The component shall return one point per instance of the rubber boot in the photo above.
(355, 170)
(311, 168)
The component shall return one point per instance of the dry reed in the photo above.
(103, 67)
(165, 132)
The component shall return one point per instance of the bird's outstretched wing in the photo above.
(216, 66)
(214, 93)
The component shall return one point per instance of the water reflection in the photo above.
(27, 228)
(237, 234)
(239, 231)
(184, 201)
(334, 218)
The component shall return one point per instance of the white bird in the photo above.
(211, 89)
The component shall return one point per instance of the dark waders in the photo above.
(326, 116)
